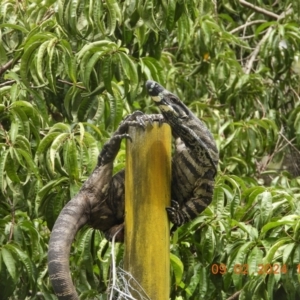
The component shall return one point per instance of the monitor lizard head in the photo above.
(168, 103)
(185, 125)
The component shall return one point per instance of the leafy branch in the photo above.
(259, 9)
(249, 64)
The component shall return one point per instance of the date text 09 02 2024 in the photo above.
(262, 269)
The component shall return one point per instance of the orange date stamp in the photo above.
(243, 269)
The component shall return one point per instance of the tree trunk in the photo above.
(147, 194)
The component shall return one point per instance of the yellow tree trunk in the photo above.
(147, 194)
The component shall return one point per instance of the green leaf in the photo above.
(23, 143)
(20, 123)
(71, 68)
(14, 26)
(26, 59)
(23, 257)
(287, 252)
(51, 185)
(89, 67)
(252, 231)
(208, 244)
(51, 64)
(218, 199)
(266, 207)
(129, 69)
(9, 262)
(11, 169)
(171, 14)
(71, 159)
(155, 69)
(106, 73)
(29, 161)
(40, 66)
(288, 220)
(57, 143)
(263, 26)
(254, 259)
(177, 267)
(271, 252)
(114, 14)
(85, 243)
(183, 28)
(3, 159)
(95, 47)
(28, 109)
(46, 141)
(195, 279)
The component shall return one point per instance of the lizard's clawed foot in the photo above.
(139, 119)
(175, 214)
(136, 119)
(155, 118)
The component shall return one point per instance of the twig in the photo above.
(296, 94)
(262, 166)
(6, 66)
(245, 25)
(234, 296)
(259, 9)
(289, 142)
(250, 36)
(250, 62)
(71, 83)
(253, 55)
(7, 83)
(290, 236)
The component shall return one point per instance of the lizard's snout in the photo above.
(153, 88)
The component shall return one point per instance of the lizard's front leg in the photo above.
(114, 208)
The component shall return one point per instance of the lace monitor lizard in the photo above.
(100, 202)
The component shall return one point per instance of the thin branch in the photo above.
(60, 80)
(244, 31)
(6, 66)
(259, 9)
(71, 83)
(7, 83)
(289, 142)
(251, 36)
(246, 25)
(250, 62)
(47, 15)
(234, 296)
(261, 166)
(296, 94)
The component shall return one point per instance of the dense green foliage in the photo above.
(71, 69)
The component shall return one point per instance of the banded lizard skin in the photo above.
(100, 202)
(194, 164)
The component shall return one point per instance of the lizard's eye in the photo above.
(183, 117)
